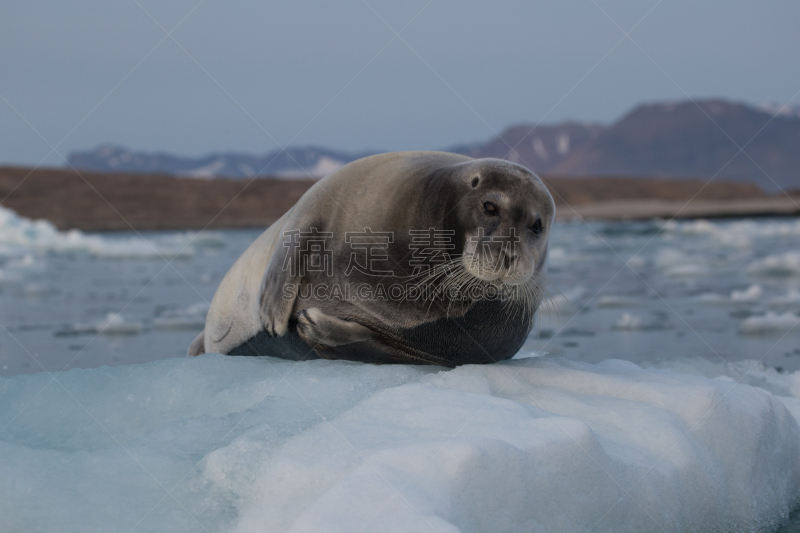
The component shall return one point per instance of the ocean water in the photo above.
(721, 292)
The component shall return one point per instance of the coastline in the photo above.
(646, 209)
(91, 201)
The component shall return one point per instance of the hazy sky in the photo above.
(245, 75)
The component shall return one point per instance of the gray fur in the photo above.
(197, 346)
(251, 312)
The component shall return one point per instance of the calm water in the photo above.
(649, 291)
(641, 291)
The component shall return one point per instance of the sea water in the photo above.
(720, 292)
(699, 434)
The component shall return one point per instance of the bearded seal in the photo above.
(406, 257)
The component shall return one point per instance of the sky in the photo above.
(192, 77)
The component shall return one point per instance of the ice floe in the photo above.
(252, 444)
(20, 236)
(629, 322)
(769, 324)
(740, 233)
(192, 318)
(751, 294)
(617, 301)
(778, 265)
(785, 385)
(677, 264)
(113, 324)
(722, 235)
(790, 300)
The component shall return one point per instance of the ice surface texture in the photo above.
(258, 444)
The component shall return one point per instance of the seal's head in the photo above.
(506, 215)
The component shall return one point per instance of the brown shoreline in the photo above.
(648, 209)
(92, 201)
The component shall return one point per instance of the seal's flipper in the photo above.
(317, 328)
(277, 296)
(198, 346)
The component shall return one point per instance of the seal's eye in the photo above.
(537, 226)
(490, 209)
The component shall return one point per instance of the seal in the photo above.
(405, 257)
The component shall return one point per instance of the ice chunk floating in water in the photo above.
(629, 322)
(20, 235)
(779, 265)
(770, 323)
(192, 318)
(114, 324)
(750, 295)
(538, 444)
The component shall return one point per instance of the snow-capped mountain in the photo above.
(294, 162)
(786, 110)
(704, 139)
(537, 147)
(685, 139)
(669, 139)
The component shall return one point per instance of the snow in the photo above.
(208, 171)
(324, 166)
(562, 145)
(786, 110)
(257, 444)
(784, 385)
(19, 237)
(247, 170)
(539, 149)
(769, 324)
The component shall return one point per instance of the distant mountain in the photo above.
(786, 110)
(665, 139)
(540, 148)
(294, 162)
(682, 140)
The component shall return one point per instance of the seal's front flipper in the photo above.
(198, 346)
(321, 330)
(274, 311)
(277, 296)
